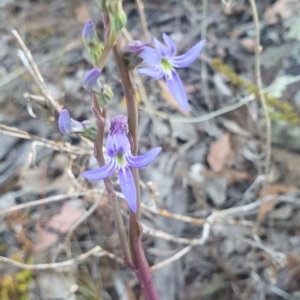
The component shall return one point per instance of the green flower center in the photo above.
(165, 64)
(120, 159)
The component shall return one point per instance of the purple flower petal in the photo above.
(134, 47)
(189, 57)
(102, 172)
(110, 146)
(162, 49)
(91, 82)
(128, 187)
(170, 45)
(76, 126)
(143, 160)
(177, 90)
(155, 73)
(151, 56)
(121, 143)
(89, 32)
(64, 122)
(118, 123)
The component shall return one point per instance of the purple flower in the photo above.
(162, 62)
(68, 125)
(92, 81)
(89, 35)
(134, 47)
(119, 150)
(131, 53)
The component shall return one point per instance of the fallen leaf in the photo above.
(45, 239)
(220, 155)
(67, 216)
(278, 9)
(248, 44)
(266, 207)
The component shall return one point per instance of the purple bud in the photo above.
(64, 122)
(91, 81)
(131, 53)
(67, 125)
(134, 47)
(118, 124)
(89, 35)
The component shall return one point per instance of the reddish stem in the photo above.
(143, 271)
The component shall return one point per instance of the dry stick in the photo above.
(65, 147)
(165, 213)
(143, 271)
(48, 200)
(203, 63)
(60, 265)
(260, 88)
(203, 118)
(140, 6)
(171, 259)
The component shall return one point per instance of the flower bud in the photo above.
(117, 21)
(95, 54)
(92, 82)
(68, 125)
(105, 96)
(90, 131)
(118, 124)
(89, 35)
(131, 53)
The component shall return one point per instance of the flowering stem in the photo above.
(105, 53)
(142, 271)
(100, 115)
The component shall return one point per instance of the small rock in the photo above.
(216, 189)
(185, 132)
(282, 213)
(195, 174)
(160, 129)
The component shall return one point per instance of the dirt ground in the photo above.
(217, 224)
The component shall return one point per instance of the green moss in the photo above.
(15, 287)
(279, 111)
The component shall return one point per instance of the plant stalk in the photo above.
(100, 115)
(142, 270)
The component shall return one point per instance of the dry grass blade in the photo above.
(260, 88)
(64, 147)
(31, 66)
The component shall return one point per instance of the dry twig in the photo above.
(97, 250)
(140, 7)
(260, 88)
(171, 259)
(64, 147)
(48, 200)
